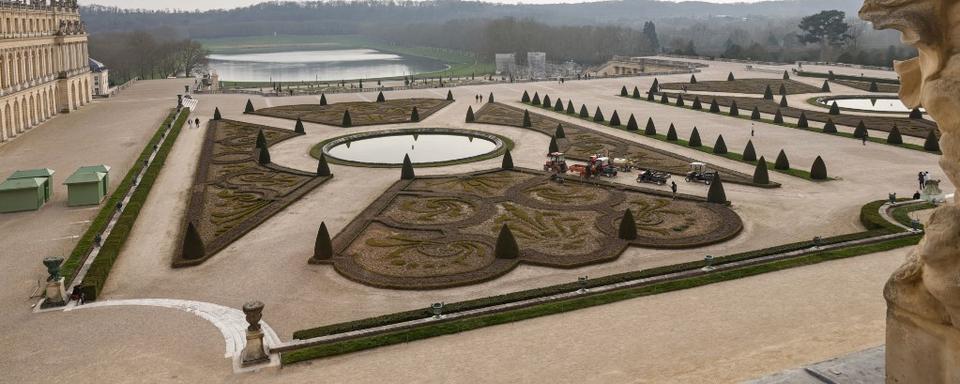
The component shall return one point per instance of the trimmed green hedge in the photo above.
(848, 77)
(96, 277)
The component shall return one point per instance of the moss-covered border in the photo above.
(503, 144)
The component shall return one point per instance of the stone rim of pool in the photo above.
(828, 100)
(500, 146)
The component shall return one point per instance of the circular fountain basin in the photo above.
(868, 104)
(425, 146)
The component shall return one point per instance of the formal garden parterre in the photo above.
(358, 113)
(752, 86)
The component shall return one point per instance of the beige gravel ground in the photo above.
(720, 333)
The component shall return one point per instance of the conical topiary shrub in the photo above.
(734, 111)
(714, 107)
(782, 162)
(783, 90)
(778, 117)
(414, 114)
(720, 147)
(632, 124)
(664, 99)
(760, 174)
(783, 102)
(583, 111)
(216, 114)
(655, 87)
(193, 248)
(730, 77)
(874, 87)
(680, 102)
(322, 247)
(932, 143)
(831, 76)
(786, 75)
(558, 106)
(623, 91)
(249, 107)
(802, 121)
(825, 87)
(323, 169)
(650, 129)
(615, 119)
(298, 127)
(819, 169)
(628, 227)
(546, 101)
(894, 137)
(264, 156)
(490, 98)
(323, 99)
(716, 194)
(830, 127)
(861, 130)
(570, 109)
(554, 147)
(346, 122)
(506, 247)
(650, 96)
(536, 99)
(834, 108)
(916, 114)
(755, 115)
(526, 119)
(672, 133)
(507, 162)
(406, 172)
(636, 93)
(749, 153)
(696, 104)
(693, 79)
(768, 93)
(598, 116)
(261, 140)
(470, 118)
(382, 99)
(695, 139)
(449, 95)
(525, 98)
(560, 134)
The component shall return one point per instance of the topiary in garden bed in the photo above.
(216, 114)
(650, 129)
(695, 139)
(874, 87)
(749, 153)
(193, 248)
(672, 133)
(861, 130)
(716, 193)
(623, 91)
(346, 122)
(802, 122)
(298, 127)
(382, 99)
(636, 93)
(406, 172)
(819, 169)
(570, 109)
(536, 99)
(507, 162)
(825, 87)
(730, 77)
(783, 89)
(714, 107)
(734, 111)
(680, 102)
(834, 108)
(264, 156)
(696, 103)
(632, 124)
(526, 119)
(470, 118)
(323, 99)
(323, 169)
(894, 137)
(664, 99)
(786, 75)
(615, 119)
(932, 143)
(583, 111)
(650, 96)
(525, 98)
(693, 79)
(558, 106)
(490, 98)
(553, 146)
(778, 117)
(598, 116)
(261, 140)
(628, 227)
(449, 95)
(755, 115)
(506, 247)
(782, 162)
(546, 102)
(768, 93)
(560, 134)
(783, 102)
(916, 114)
(414, 114)
(322, 247)
(249, 108)
(830, 127)
(760, 174)
(720, 147)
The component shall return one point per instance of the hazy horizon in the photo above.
(227, 4)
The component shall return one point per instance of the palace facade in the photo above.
(43, 63)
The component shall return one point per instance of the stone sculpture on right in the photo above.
(923, 295)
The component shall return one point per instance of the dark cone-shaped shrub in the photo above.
(347, 121)
(323, 99)
(730, 77)
(650, 96)
(749, 153)
(382, 99)
(636, 93)
(650, 129)
(249, 107)
(760, 174)
(560, 134)
(507, 160)
(778, 117)
(819, 169)
(672, 133)
(783, 102)
(615, 119)
(322, 247)
(916, 114)
(628, 227)
(664, 99)
(874, 87)
(406, 172)
(449, 95)
(216, 114)
(193, 248)
(623, 91)
(830, 127)
(554, 147)
(831, 76)
(558, 106)
(755, 115)
(786, 75)
(714, 107)
(583, 111)
(261, 140)
(598, 116)
(680, 102)
(782, 162)
(536, 99)
(526, 119)
(734, 111)
(525, 98)
(716, 194)
(695, 139)
(894, 137)
(632, 124)
(323, 169)
(264, 156)
(861, 130)
(720, 147)
(768, 94)
(825, 87)
(470, 117)
(802, 121)
(506, 247)
(298, 127)
(570, 109)
(696, 103)
(490, 98)
(932, 143)
(656, 85)
(834, 108)
(414, 114)
(546, 101)
(783, 90)
(693, 79)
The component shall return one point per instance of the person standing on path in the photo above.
(752, 127)
(673, 187)
(864, 138)
(481, 98)
(921, 178)
(197, 123)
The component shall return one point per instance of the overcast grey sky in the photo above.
(214, 4)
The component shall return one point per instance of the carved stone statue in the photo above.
(923, 296)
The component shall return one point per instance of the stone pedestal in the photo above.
(254, 352)
(56, 294)
(923, 351)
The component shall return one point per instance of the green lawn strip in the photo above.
(466, 324)
(902, 214)
(703, 148)
(78, 256)
(875, 224)
(99, 270)
(847, 77)
(794, 126)
(813, 102)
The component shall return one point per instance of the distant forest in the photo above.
(588, 33)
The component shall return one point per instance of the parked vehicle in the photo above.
(700, 173)
(652, 176)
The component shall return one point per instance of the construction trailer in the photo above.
(88, 185)
(26, 190)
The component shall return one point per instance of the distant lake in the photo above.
(322, 65)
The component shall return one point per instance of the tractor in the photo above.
(601, 165)
(557, 165)
(699, 173)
